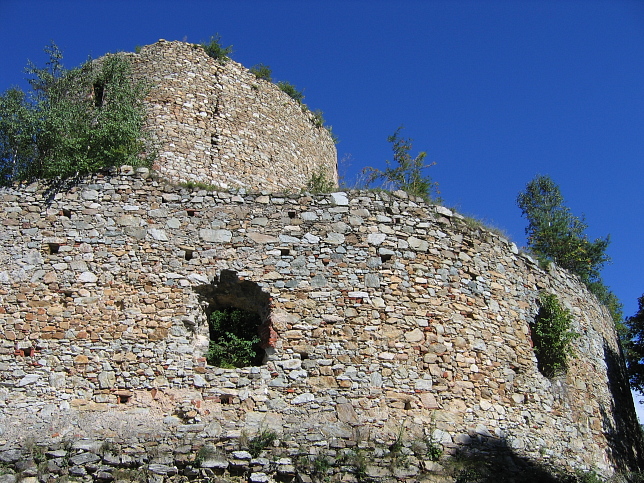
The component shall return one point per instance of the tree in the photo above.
(634, 347)
(18, 128)
(406, 173)
(73, 121)
(555, 234)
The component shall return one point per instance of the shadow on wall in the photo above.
(624, 434)
(488, 460)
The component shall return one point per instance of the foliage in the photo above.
(555, 234)
(611, 302)
(191, 185)
(205, 452)
(334, 137)
(233, 338)
(215, 49)
(18, 127)
(407, 175)
(321, 464)
(73, 121)
(262, 71)
(259, 443)
(318, 118)
(291, 90)
(320, 183)
(552, 336)
(634, 347)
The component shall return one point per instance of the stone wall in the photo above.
(382, 317)
(218, 124)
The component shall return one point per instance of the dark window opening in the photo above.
(285, 252)
(385, 257)
(188, 254)
(407, 405)
(53, 248)
(291, 214)
(304, 356)
(123, 398)
(226, 399)
(239, 321)
(67, 213)
(99, 91)
(191, 212)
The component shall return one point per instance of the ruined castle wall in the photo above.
(384, 314)
(219, 125)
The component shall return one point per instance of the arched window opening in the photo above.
(239, 323)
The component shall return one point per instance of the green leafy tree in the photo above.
(18, 128)
(405, 173)
(634, 347)
(73, 121)
(555, 234)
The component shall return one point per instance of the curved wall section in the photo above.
(383, 313)
(219, 125)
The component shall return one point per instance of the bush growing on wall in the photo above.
(215, 50)
(262, 71)
(291, 91)
(405, 173)
(552, 336)
(73, 121)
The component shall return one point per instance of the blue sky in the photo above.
(496, 92)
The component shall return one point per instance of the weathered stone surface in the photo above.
(430, 322)
(257, 137)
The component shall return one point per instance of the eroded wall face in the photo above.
(218, 124)
(385, 313)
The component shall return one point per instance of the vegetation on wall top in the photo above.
(405, 173)
(216, 50)
(73, 122)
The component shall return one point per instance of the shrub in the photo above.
(215, 50)
(233, 338)
(318, 118)
(407, 174)
(291, 90)
(552, 336)
(259, 443)
(73, 122)
(262, 71)
(320, 183)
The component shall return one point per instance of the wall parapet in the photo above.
(386, 313)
